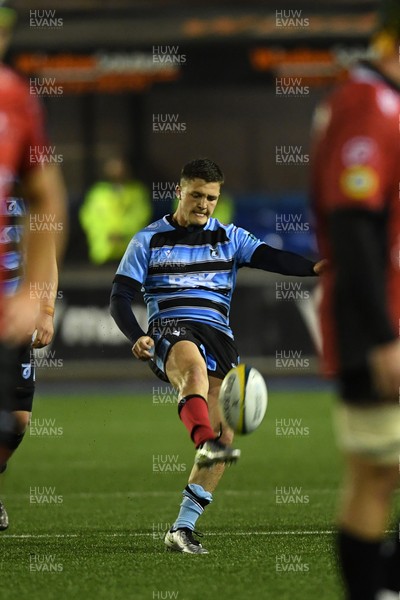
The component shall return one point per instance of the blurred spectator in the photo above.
(225, 209)
(113, 210)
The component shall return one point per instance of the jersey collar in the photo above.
(190, 229)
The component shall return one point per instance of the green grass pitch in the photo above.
(89, 503)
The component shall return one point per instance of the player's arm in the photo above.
(128, 281)
(44, 190)
(360, 275)
(45, 320)
(360, 269)
(286, 263)
(124, 292)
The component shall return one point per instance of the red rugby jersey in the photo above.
(23, 142)
(356, 164)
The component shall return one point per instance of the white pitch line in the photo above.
(157, 536)
(161, 494)
(23, 536)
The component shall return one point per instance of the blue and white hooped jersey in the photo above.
(188, 273)
(13, 208)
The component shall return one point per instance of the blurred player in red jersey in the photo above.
(23, 160)
(355, 189)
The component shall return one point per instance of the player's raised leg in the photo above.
(209, 478)
(186, 370)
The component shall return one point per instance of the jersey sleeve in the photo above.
(246, 244)
(135, 262)
(357, 173)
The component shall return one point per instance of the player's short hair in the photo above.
(202, 168)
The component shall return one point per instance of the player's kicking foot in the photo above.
(182, 540)
(3, 517)
(214, 451)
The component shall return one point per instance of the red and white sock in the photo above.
(193, 412)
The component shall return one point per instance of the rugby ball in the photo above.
(243, 399)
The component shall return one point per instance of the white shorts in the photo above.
(370, 431)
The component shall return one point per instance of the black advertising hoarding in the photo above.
(265, 317)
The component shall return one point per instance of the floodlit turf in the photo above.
(88, 506)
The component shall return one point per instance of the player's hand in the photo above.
(385, 364)
(321, 266)
(44, 330)
(143, 348)
(19, 318)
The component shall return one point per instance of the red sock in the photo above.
(193, 412)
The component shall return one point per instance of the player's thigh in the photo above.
(185, 365)
(215, 413)
(8, 375)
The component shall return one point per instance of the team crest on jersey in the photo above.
(214, 252)
(359, 182)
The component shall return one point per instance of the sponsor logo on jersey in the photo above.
(359, 182)
(358, 151)
(155, 225)
(136, 243)
(191, 280)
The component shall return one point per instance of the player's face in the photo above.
(197, 201)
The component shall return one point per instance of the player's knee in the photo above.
(12, 438)
(379, 480)
(196, 378)
(385, 480)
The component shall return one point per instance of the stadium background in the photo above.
(239, 83)
(241, 87)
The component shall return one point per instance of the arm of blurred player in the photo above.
(361, 275)
(45, 320)
(44, 189)
(122, 297)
